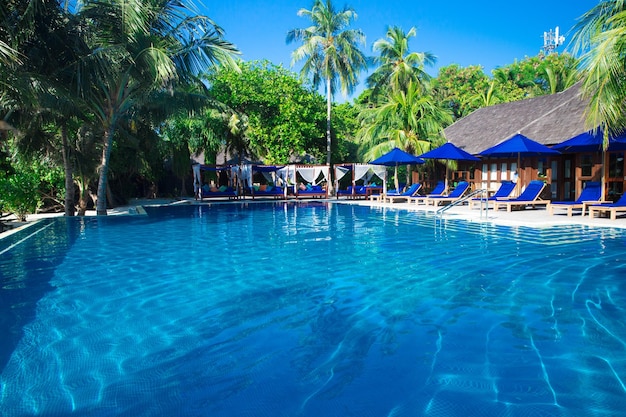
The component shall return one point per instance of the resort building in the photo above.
(549, 120)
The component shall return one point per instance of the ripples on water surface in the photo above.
(310, 310)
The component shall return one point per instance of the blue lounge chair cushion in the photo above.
(505, 190)
(439, 189)
(409, 192)
(531, 192)
(619, 203)
(460, 189)
(591, 192)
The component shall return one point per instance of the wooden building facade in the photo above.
(549, 120)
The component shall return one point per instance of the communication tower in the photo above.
(551, 40)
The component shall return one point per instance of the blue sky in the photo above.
(480, 32)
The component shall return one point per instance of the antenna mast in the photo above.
(551, 40)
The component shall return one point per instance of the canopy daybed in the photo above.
(362, 173)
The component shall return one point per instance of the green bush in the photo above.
(18, 193)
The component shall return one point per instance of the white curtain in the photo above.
(244, 173)
(341, 172)
(269, 177)
(309, 174)
(287, 174)
(380, 171)
(325, 171)
(361, 171)
(197, 179)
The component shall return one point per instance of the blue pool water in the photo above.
(315, 309)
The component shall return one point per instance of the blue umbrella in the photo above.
(449, 152)
(397, 156)
(393, 158)
(518, 145)
(591, 141)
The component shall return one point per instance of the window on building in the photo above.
(616, 165)
(586, 165)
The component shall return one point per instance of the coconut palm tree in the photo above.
(561, 79)
(140, 47)
(409, 120)
(43, 106)
(600, 35)
(331, 53)
(397, 65)
(487, 97)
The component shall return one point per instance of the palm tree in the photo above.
(601, 34)
(409, 120)
(398, 66)
(561, 79)
(36, 97)
(140, 47)
(331, 53)
(485, 98)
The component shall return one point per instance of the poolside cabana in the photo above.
(274, 186)
(227, 186)
(316, 178)
(363, 173)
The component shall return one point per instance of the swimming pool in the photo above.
(310, 309)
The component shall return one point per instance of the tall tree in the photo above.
(49, 42)
(397, 65)
(284, 118)
(409, 120)
(331, 53)
(140, 47)
(600, 35)
(558, 72)
(457, 88)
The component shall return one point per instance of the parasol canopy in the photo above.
(394, 158)
(518, 145)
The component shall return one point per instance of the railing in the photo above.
(483, 200)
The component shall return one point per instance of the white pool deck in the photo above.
(538, 217)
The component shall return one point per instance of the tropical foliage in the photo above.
(600, 35)
(112, 95)
(284, 119)
(397, 67)
(331, 53)
(402, 112)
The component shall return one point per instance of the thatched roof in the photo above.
(549, 120)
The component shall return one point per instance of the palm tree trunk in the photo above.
(101, 204)
(83, 194)
(328, 136)
(69, 180)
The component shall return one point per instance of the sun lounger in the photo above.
(397, 191)
(613, 209)
(504, 191)
(359, 191)
(312, 191)
(439, 190)
(529, 197)
(269, 191)
(221, 192)
(589, 195)
(412, 191)
(456, 194)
